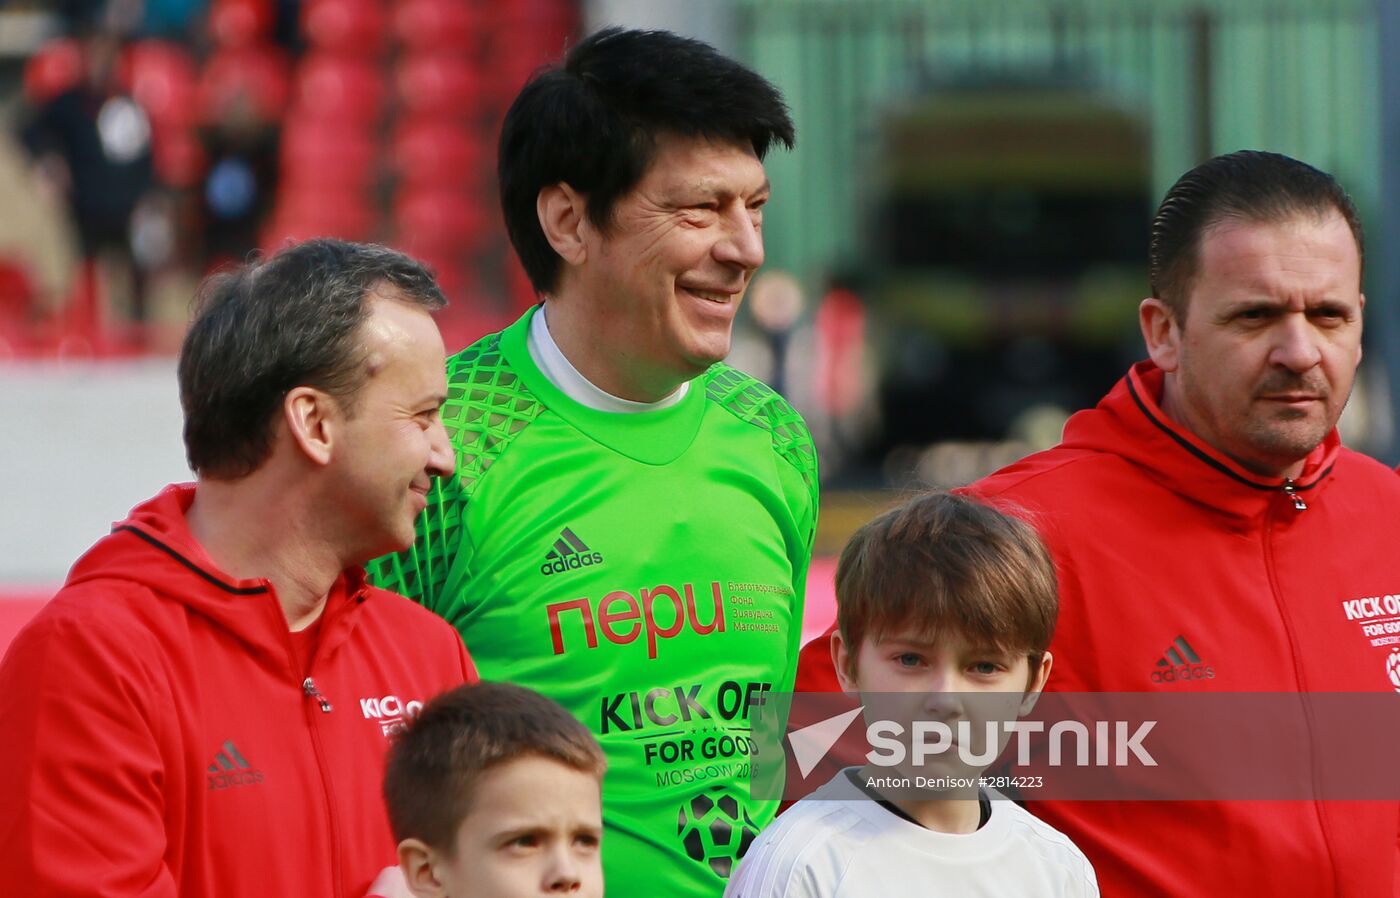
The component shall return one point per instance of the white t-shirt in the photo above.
(839, 843)
(561, 372)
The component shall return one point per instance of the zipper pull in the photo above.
(309, 687)
(1289, 490)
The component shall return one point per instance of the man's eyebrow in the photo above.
(1252, 303)
(436, 400)
(715, 188)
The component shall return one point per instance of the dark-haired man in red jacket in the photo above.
(204, 709)
(1213, 535)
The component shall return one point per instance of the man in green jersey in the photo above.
(631, 521)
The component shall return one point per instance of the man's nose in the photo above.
(1296, 344)
(442, 461)
(742, 243)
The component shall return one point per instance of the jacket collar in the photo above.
(154, 547)
(1129, 422)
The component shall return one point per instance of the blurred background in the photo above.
(956, 249)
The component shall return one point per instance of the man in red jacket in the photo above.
(203, 710)
(1212, 534)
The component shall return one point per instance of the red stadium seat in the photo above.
(531, 15)
(436, 152)
(527, 34)
(161, 76)
(301, 215)
(522, 292)
(338, 88)
(432, 25)
(451, 268)
(320, 156)
(439, 84)
(259, 76)
(469, 316)
(350, 27)
(434, 220)
(234, 24)
(17, 297)
(55, 68)
(178, 158)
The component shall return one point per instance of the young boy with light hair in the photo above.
(494, 791)
(945, 609)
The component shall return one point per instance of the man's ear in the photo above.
(563, 214)
(1359, 348)
(416, 861)
(1038, 679)
(841, 660)
(312, 417)
(1161, 333)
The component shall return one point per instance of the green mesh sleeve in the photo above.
(487, 407)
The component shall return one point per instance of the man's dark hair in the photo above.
(592, 124)
(434, 764)
(1249, 185)
(948, 562)
(270, 326)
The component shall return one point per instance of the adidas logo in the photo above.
(1181, 663)
(569, 554)
(230, 769)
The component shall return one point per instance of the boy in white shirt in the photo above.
(951, 603)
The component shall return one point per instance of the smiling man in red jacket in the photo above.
(203, 710)
(1212, 534)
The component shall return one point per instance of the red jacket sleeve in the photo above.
(815, 671)
(80, 767)
(469, 672)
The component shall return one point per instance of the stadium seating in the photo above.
(438, 84)
(54, 69)
(161, 76)
(239, 24)
(353, 28)
(438, 25)
(388, 120)
(428, 151)
(339, 89)
(258, 75)
(331, 155)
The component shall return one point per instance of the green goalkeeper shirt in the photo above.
(645, 570)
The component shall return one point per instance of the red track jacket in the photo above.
(160, 738)
(1158, 537)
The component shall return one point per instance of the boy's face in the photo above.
(909, 661)
(909, 676)
(535, 828)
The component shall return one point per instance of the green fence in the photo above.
(1207, 76)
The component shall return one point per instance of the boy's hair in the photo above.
(434, 763)
(946, 561)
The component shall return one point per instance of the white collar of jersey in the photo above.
(561, 372)
(954, 846)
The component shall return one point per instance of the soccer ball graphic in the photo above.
(715, 830)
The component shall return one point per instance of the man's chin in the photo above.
(697, 365)
(400, 540)
(1281, 447)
